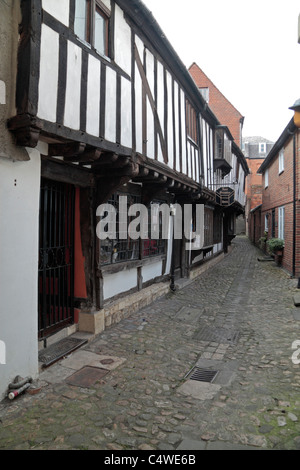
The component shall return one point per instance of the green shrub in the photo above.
(275, 244)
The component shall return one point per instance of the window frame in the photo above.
(93, 7)
(262, 146)
(281, 161)
(281, 222)
(112, 252)
(267, 178)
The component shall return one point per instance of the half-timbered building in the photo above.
(104, 108)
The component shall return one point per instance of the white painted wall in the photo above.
(19, 215)
(73, 89)
(151, 271)
(48, 83)
(93, 97)
(126, 113)
(122, 41)
(59, 9)
(114, 284)
(111, 105)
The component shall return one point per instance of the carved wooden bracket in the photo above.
(25, 129)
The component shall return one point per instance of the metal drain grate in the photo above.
(202, 375)
(60, 349)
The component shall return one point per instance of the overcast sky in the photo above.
(248, 48)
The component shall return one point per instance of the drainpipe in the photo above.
(294, 206)
(172, 285)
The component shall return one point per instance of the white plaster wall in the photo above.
(19, 215)
(176, 112)
(217, 247)
(73, 89)
(151, 271)
(138, 99)
(93, 97)
(122, 41)
(138, 111)
(126, 113)
(170, 121)
(48, 83)
(160, 104)
(111, 103)
(183, 131)
(114, 284)
(60, 9)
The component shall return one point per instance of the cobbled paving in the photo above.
(236, 317)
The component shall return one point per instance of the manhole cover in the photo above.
(188, 314)
(202, 375)
(218, 335)
(86, 377)
(60, 349)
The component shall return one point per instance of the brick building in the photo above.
(255, 150)
(280, 210)
(218, 103)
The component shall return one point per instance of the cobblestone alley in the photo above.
(236, 324)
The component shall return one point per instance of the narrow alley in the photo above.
(207, 367)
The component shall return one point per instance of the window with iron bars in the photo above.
(151, 246)
(123, 248)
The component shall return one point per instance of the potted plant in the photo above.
(275, 247)
(262, 241)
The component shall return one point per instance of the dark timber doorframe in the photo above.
(56, 257)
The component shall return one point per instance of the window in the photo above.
(262, 147)
(281, 161)
(91, 24)
(157, 246)
(208, 227)
(218, 224)
(281, 217)
(120, 249)
(266, 178)
(266, 222)
(123, 248)
(191, 122)
(205, 93)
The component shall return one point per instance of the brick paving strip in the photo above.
(130, 387)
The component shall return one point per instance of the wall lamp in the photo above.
(296, 109)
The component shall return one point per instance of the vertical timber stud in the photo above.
(29, 57)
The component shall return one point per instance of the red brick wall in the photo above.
(254, 183)
(280, 193)
(221, 107)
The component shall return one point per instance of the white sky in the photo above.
(248, 48)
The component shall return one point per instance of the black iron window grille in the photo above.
(119, 249)
(123, 248)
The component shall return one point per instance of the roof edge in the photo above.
(286, 134)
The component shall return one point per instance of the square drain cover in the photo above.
(217, 334)
(202, 375)
(86, 377)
